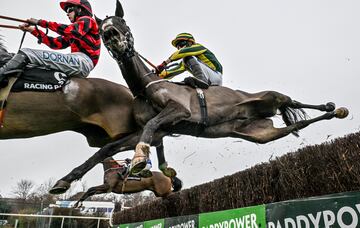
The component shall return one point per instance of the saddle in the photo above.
(38, 79)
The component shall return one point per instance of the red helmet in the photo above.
(83, 3)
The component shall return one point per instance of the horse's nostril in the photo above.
(106, 37)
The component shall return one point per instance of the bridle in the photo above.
(129, 42)
(129, 50)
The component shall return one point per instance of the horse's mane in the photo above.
(4, 54)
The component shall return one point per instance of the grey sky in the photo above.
(308, 49)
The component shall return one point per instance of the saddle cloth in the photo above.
(40, 80)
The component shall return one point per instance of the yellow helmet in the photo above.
(182, 36)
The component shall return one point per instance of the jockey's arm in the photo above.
(193, 50)
(60, 42)
(76, 30)
(53, 26)
(173, 71)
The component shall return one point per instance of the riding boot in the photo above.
(199, 80)
(14, 65)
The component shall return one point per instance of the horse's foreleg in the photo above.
(126, 143)
(104, 188)
(163, 165)
(171, 114)
(328, 107)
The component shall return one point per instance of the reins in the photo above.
(11, 19)
(17, 27)
(146, 60)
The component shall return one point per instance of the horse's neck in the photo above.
(136, 74)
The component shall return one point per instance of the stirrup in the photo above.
(196, 83)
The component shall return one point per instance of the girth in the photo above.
(204, 121)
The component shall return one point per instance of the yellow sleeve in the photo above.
(172, 72)
(193, 50)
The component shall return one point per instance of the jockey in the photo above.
(196, 59)
(81, 35)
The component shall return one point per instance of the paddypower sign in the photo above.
(337, 210)
(249, 217)
(330, 211)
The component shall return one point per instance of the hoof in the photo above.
(137, 167)
(341, 113)
(329, 107)
(169, 172)
(140, 159)
(60, 187)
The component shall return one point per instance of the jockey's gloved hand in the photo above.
(33, 21)
(161, 67)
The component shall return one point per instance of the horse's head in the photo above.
(116, 34)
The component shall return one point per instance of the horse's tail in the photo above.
(176, 184)
(291, 115)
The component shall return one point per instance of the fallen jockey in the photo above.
(81, 35)
(117, 180)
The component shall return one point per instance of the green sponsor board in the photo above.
(158, 223)
(190, 221)
(249, 217)
(336, 210)
(132, 225)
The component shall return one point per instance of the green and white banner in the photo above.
(190, 221)
(337, 210)
(132, 225)
(331, 211)
(158, 223)
(249, 217)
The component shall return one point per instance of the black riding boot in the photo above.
(199, 80)
(16, 64)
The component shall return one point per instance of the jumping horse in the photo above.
(117, 180)
(231, 113)
(100, 110)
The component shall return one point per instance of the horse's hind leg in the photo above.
(263, 131)
(328, 107)
(276, 133)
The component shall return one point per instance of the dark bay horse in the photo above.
(116, 180)
(175, 108)
(100, 110)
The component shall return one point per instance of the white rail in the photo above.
(60, 216)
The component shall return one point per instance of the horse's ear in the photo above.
(119, 12)
(98, 20)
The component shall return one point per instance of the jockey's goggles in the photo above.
(70, 9)
(181, 44)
